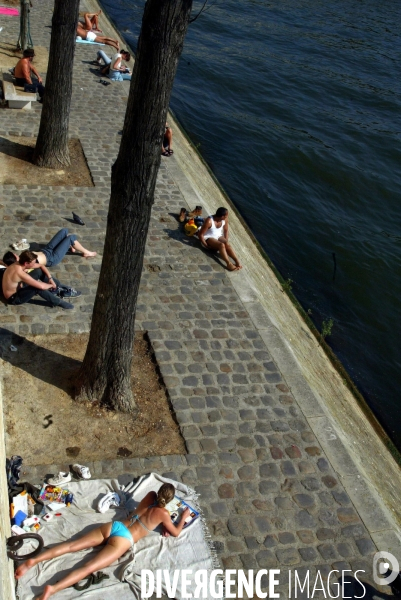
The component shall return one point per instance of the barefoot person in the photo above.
(54, 252)
(214, 236)
(91, 21)
(118, 537)
(92, 37)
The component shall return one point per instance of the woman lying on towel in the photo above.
(118, 537)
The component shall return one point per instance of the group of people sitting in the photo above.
(25, 275)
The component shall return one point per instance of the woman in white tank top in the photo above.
(214, 236)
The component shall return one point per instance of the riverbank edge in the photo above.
(335, 396)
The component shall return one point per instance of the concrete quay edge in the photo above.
(327, 404)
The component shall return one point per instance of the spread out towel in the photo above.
(11, 12)
(191, 550)
(80, 41)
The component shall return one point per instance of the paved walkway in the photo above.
(271, 496)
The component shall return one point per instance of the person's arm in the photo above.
(225, 230)
(31, 281)
(47, 274)
(34, 71)
(172, 529)
(201, 234)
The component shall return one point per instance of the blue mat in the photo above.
(88, 42)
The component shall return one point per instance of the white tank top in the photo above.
(213, 231)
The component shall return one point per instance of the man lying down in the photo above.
(117, 537)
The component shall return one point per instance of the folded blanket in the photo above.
(190, 550)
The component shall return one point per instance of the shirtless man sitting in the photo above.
(24, 70)
(92, 37)
(19, 287)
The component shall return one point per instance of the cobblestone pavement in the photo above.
(270, 496)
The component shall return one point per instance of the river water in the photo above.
(296, 107)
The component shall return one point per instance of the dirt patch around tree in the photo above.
(45, 425)
(16, 164)
(10, 55)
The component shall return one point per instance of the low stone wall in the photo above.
(6, 565)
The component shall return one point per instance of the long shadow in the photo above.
(16, 150)
(30, 357)
(179, 236)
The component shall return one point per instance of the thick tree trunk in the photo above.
(51, 149)
(106, 371)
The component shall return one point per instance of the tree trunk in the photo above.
(23, 41)
(106, 371)
(51, 149)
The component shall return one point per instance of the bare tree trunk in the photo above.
(23, 41)
(106, 371)
(51, 149)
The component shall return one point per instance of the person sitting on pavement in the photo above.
(167, 141)
(116, 539)
(214, 236)
(91, 22)
(19, 286)
(91, 36)
(114, 68)
(24, 70)
(54, 252)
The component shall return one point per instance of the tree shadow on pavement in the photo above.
(30, 357)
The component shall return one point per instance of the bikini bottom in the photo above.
(118, 529)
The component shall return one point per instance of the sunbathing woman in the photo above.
(214, 236)
(91, 36)
(55, 250)
(118, 537)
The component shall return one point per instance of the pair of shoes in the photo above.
(167, 152)
(104, 82)
(69, 292)
(21, 245)
(110, 499)
(62, 478)
(183, 214)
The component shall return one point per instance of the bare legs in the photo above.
(225, 251)
(115, 547)
(85, 253)
(106, 40)
(92, 21)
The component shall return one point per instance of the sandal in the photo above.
(21, 245)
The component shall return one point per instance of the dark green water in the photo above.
(296, 106)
